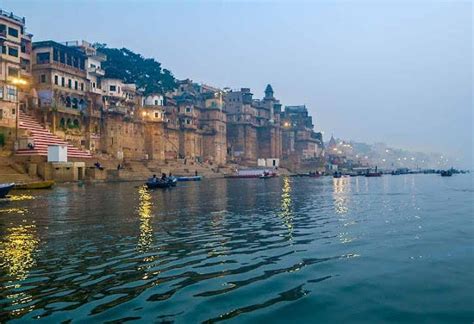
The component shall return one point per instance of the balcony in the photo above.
(119, 110)
(97, 71)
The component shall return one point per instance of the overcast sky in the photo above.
(398, 72)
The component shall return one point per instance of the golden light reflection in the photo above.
(17, 250)
(20, 197)
(341, 194)
(287, 207)
(145, 213)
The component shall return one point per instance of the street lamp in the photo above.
(18, 82)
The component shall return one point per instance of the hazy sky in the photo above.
(398, 72)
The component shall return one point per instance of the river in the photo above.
(389, 249)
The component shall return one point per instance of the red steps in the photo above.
(43, 137)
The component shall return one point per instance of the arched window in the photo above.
(62, 123)
(68, 102)
(69, 123)
(76, 123)
(74, 103)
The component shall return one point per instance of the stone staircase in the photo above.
(43, 137)
(10, 172)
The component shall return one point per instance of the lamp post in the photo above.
(17, 82)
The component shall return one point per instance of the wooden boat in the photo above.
(268, 175)
(193, 178)
(447, 173)
(5, 189)
(337, 175)
(373, 174)
(158, 184)
(173, 181)
(35, 185)
(314, 174)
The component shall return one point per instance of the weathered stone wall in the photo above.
(120, 135)
(242, 143)
(155, 141)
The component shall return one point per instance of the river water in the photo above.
(389, 249)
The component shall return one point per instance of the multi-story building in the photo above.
(60, 79)
(253, 127)
(120, 97)
(212, 125)
(15, 67)
(302, 146)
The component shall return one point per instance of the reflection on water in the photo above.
(247, 250)
(341, 194)
(17, 250)
(145, 213)
(17, 254)
(286, 206)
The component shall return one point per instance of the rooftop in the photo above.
(10, 15)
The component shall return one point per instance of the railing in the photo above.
(96, 70)
(12, 16)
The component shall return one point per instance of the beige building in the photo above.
(15, 67)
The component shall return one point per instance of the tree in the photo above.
(131, 67)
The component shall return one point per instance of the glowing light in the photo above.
(18, 81)
(17, 250)
(286, 207)
(145, 214)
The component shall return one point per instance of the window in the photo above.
(93, 65)
(55, 55)
(82, 86)
(43, 78)
(75, 85)
(13, 111)
(24, 46)
(11, 93)
(4, 49)
(93, 85)
(63, 82)
(13, 51)
(62, 57)
(188, 110)
(113, 88)
(42, 58)
(188, 122)
(25, 64)
(13, 32)
(156, 102)
(13, 72)
(56, 80)
(3, 29)
(118, 89)
(157, 115)
(69, 83)
(69, 60)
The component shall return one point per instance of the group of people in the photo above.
(163, 177)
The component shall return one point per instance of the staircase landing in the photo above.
(43, 137)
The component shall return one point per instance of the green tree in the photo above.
(131, 67)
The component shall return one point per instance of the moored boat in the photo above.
(5, 189)
(447, 173)
(193, 178)
(250, 173)
(373, 174)
(35, 185)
